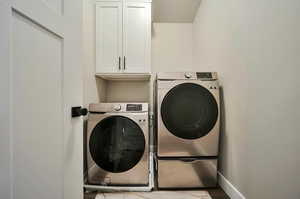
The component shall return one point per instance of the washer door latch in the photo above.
(79, 111)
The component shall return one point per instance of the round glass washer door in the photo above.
(117, 144)
(189, 111)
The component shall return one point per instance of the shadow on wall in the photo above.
(153, 33)
(223, 134)
(84, 148)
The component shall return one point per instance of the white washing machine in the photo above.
(118, 144)
(188, 117)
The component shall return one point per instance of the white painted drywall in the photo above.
(255, 45)
(5, 152)
(128, 91)
(172, 47)
(90, 84)
(174, 11)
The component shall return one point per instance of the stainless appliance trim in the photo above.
(170, 145)
(116, 107)
(173, 174)
(167, 76)
(139, 174)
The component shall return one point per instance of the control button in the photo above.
(140, 120)
(117, 107)
(188, 75)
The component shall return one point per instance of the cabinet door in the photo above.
(41, 146)
(137, 37)
(108, 37)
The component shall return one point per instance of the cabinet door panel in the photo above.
(137, 37)
(108, 37)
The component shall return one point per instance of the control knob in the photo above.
(117, 107)
(188, 75)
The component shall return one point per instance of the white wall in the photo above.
(255, 45)
(89, 60)
(172, 47)
(5, 139)
(174, 11)
(128, 91)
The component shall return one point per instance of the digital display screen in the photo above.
(134, 107)
(204, 75)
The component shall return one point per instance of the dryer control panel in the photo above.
(204, 76)
(208, 76)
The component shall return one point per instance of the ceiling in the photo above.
(175, 11)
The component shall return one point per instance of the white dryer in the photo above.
(117, 144)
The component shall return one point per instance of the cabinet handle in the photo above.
(119, 63)
(124, 63)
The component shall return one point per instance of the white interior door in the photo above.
(109, 37)
(41, 70)
(137, 37)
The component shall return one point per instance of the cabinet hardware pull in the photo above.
(124, 63)
(119, 63)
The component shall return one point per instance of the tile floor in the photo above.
(156, 195)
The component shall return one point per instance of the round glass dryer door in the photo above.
(117, 144)
(189, 111)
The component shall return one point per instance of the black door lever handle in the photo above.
(79, 111)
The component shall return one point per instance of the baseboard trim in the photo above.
(229, 189)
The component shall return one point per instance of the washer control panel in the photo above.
(188, 75)
(204, 75)
(117, 107)
(134, 107)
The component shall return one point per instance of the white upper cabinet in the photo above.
(123, 36)
(108, 36)
(137, 37)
